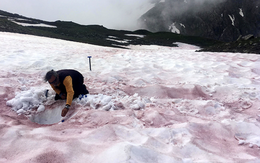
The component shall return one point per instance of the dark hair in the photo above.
(49, 74)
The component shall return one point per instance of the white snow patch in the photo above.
(232, 18)
(33, 101)
(28, 100)
(34, 25)
(135, 35)
(241, 12)
(119, 41)
(174, 29)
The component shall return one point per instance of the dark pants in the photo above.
(79, 90)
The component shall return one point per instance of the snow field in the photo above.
(146, 104)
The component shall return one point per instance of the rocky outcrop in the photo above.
(224, 20)
(246, 44)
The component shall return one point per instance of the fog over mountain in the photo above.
(116, 14)
(224, 20)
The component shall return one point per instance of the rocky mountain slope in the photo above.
(224, 20)
(93, 34)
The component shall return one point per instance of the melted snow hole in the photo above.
(48, 116)
(37, 106)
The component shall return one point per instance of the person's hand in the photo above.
(63, 96)
(64, 112)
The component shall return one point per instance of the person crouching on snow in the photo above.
(68, 84)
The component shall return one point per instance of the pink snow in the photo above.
(146, 104)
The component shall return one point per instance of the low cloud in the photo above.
(116, 14)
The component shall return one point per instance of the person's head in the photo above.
(52, 77)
